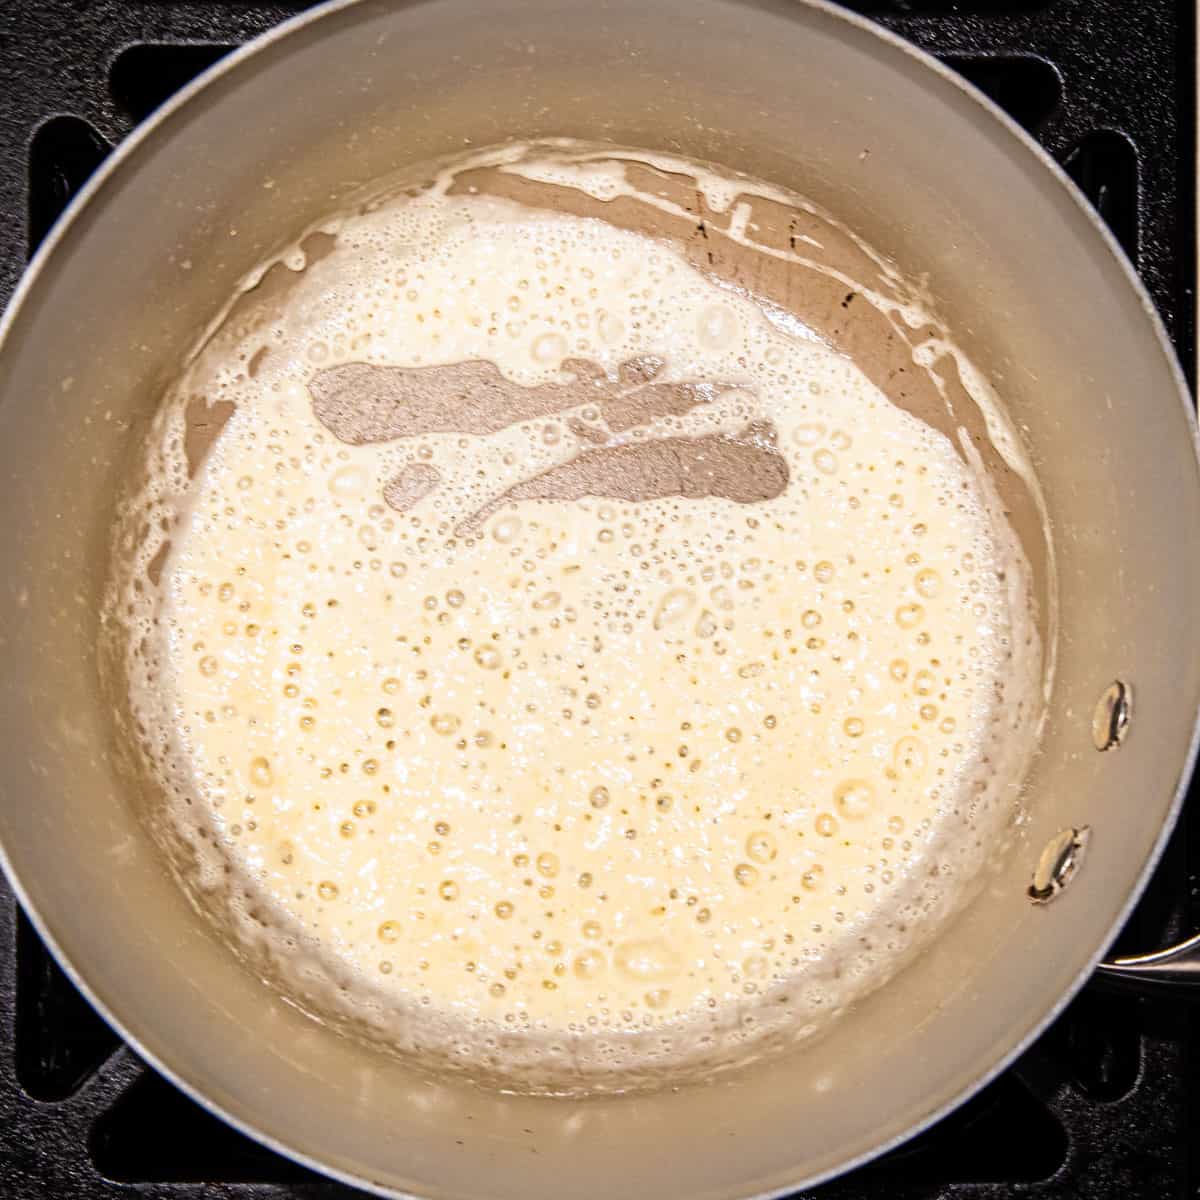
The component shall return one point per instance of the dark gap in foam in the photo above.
(189, 1144)
(145, 76)
(60, 1041)
(62, 155)
(1105, 166)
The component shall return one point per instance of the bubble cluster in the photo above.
(593, 773)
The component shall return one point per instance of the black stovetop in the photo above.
(1106, 1105)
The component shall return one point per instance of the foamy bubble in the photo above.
(549, 348)
(348, 481)
(717, 327)
(854, 798)
(673, 607)
(646, 959)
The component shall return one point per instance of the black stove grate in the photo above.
(1106, 1105)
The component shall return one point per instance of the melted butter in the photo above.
(600, 762)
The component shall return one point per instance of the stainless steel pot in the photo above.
(798, 93)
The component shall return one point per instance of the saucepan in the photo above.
(799, 93)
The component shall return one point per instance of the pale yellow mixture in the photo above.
(594, 764)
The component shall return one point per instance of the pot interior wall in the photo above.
(791, 93)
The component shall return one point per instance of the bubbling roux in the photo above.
(580, 670)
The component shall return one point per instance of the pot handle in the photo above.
(1176, 966)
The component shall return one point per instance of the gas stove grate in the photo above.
(1107, 1103)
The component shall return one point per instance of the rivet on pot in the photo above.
(1111, 718)
(1057, 864)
